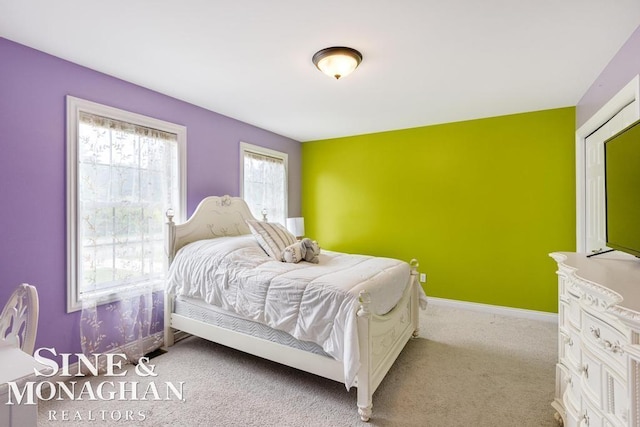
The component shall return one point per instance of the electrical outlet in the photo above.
(423, 277)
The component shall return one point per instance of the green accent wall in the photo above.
(479, 203)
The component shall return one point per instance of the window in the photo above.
(124, 171)
(263, 182)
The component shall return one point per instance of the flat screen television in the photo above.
(622, 194)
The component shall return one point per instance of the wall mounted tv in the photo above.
(622, 183)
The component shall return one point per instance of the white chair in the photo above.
(19, 319)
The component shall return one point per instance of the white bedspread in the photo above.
(312, 302)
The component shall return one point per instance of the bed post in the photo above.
(365, 394)
(415, 298)
(170, 242)
(170, 237)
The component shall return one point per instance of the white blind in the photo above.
(265, 186)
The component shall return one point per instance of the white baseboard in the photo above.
(495, 309)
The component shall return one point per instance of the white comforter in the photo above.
(311, 302)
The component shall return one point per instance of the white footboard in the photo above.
(382, 338)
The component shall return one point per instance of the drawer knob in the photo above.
(595, 332)
(585, 370)
(614, 348)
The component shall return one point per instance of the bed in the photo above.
(346, 317)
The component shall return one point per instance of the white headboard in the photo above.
(214, 217)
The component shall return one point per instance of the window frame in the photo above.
(74, 107)
(256, 149)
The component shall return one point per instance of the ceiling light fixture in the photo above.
(337, 61)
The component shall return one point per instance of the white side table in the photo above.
(17, 366)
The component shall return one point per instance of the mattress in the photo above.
(212, 315)
(314, 303)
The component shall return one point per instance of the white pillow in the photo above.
(272, 237)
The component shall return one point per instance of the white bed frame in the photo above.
(381, 338)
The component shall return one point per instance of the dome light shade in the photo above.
(337, 61)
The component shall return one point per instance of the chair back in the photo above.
(19, 319)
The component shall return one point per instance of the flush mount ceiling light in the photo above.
(337, 61)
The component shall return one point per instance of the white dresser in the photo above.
(598, 369)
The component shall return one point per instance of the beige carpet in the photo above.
(467, 369)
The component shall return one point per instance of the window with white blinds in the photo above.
(264, 181)
(124, 172)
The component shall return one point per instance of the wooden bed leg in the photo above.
(170, 244)
(365, 413)
(415, 318)
(168, 331)
(365, 397)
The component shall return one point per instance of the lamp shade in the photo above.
(337, 61)
(296, 226)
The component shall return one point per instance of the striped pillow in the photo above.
(272, 237)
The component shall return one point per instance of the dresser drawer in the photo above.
(572, 394)
(574, 313)
(563, 313)
(592, 384)
(563, 379)
(562, 286)
(572, 417)
(569, 301)
(591, 416)
(569, 352)
(605, 340)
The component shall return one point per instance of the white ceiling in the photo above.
(425, 61)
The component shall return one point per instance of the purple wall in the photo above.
(33, 86)
(622, 68)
